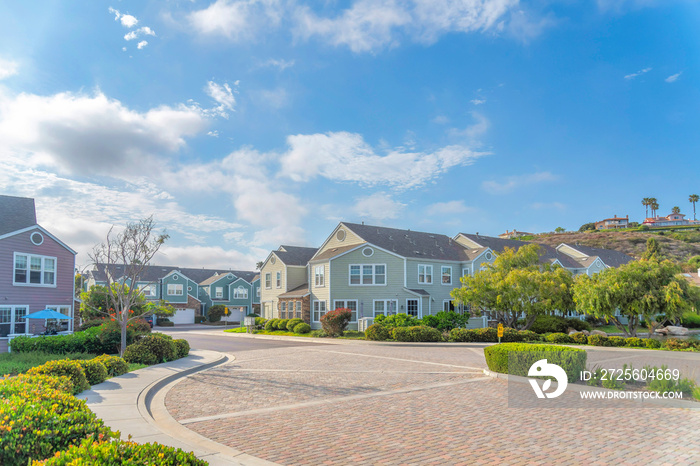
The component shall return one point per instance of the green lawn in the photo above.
(17, 363)
(613, 329)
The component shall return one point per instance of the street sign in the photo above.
(500, 332)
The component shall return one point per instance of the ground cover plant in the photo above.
(17, 363)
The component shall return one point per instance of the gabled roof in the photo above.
(16, 213)
(153, 273)
(414, 244)
(295, 255)
(333, 252)
(298, 292)
(610, 257)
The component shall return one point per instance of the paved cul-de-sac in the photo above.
(412, 404)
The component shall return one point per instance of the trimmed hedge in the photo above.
(118, 452)
(490, 335)
(153, 349)
(579, 338)
(64, 367)
(616, 341)
(302, 328)
(271, 324)
(598, 340)
(634, 342)
(572, 360)
(39, 417)
(281, 324)
(182, 348)
(87, 341)
(416, 334)
(377, 332)
(559, 338)
(199, 319)
(114, 364)
(95, 371)
(293, 323)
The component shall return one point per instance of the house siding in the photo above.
(296, 276)
(269, 297)
(333, 242)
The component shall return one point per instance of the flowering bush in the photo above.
(335, 322)
(64, 367)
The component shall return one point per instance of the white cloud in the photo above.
(223, 95)
(449, 208)
(378, 206)
(213, 256)
(236, 19)
(142, 44)
(7, 68)
(92, 134)
(144, 31)
(474, 131)
(279, 64)
(673, 78)
(127, 21)
(518, 181)
(638, 73)
(343, 156)
(214, 134)
(478, 101)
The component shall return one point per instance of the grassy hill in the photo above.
(678, 246)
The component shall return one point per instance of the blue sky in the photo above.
(242, 125)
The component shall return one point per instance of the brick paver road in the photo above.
(373, 404)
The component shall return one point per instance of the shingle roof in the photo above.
(153, 273)
(419, 291)
(298, 292)
(547, 253)
(16, 213)
(330, 253)
(409, 243)
(610, 257)
(295, 255)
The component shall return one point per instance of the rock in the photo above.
(599, 332)
(587, 333)
(661, 331)
(572, 331)
(676, 330)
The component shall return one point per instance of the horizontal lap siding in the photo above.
(37, 297)
(270, 295)
(437, 290)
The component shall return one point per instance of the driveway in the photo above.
(412, 404)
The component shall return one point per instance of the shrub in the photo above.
(462, 335)
(215, 312)
(114, 364)
(153, 349)
(559, 338)
(118, 452)
(416, 334)
(550, 324)
(320, 333)
(528, 335)
(199, 319)
(578, 324)
(139, 354)
(164, 322)
(335, 322)
(430, 321)
(95, 371)
(87, 341)
(396, 320)
(301, 328)
(140, 326)
(271, 324)
(17, 363)
(182, 348)
(446, 321)
(377, 332)
(676, 344)
(652, 343)
(690, 319)
(111, 336)
(39, 417)
(572, 360)
(260, 323)
(634, 342)
(293, 323)
(64, 367)
(598, 340)
(353, 334)
(663, 385)
(282, 324)
(616, 341)
(484, 335)
(91, 323)
(579, 338)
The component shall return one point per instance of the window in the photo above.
(240, 293)
(368, 252)
(11, 320)
(37, 238)
(268, 280)
(219, 293)
(412, 307)
(257, 292)
(147, 290)
(65, 310)
(446, 273)
(298, 309)
(348, 304)
(34, 270)
(385, 307)
(369, 274)
(283, 309)
(425, 274)
(447, 305)
(465, 272)
(279, 279)
(319, 310)
(320, 275)
(175, 289)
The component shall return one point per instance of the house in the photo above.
(36, 270)
(375, 270)
(190, 291)
(514, 234)
(669, 220)
(613, 223)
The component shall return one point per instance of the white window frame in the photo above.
(395, 308)
(240, 292)
(69, 313)
(13, 320)
(151, 290)
(466, 272)
(419, 314)
(344, 305)
(29, 270)
(173, 287)
(321, 312)
(446, 305)
(278, 279)
(257, 292)
(442, 274)
(297, 309)
(219, 292)
(320, 276)
(268, 280)
(425, 274)
(373, 275)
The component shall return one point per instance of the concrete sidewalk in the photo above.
(134, 405)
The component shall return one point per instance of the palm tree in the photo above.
(676, 210)
(693, 198)
(646, 202)
(654, 206)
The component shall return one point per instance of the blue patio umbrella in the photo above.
(47, 314)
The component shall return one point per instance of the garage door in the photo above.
(236, 314)
(183, 316)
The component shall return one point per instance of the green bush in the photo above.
(165, 322)
(528, 335)
(416, 334)
(430, 321)
(293, 323)
(271, 324)
(153, 349)
(260, 323)
(446, 321)
(598, 340)
(396, 320)
(578, 324)
(199, 319)
(114, 364)
(64, 367)
(690, 319)
(140, 355)
(282, 324)
(17, 363)
(182, 348)
(320, 333)
(579, 338)
(92, 323)
(616, 341)
(676, 344)
(559, 338)
(662, 385)
(572, 360)
(550, 324)
(111, 336)
(302, 328)
(652, 343)
(335, 322)
(377, 332)
(87, 341)
(215, 312)
(39, 417)
(95, 371)
(118, 452)
(634, 342)
(490, 335)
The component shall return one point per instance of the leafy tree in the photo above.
(693, 198)
(694, 263)
(258, 265)
(587, 226)
(653, 251)
(559, 230)
(215, 312)
(517, 283)
(639, 290)
(78, 284)
(633, 224)
(676, 210)
(133, 250)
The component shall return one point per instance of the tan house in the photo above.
(613, 223)
(514, 234)
(284, 283)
